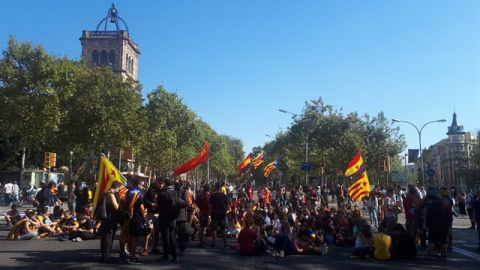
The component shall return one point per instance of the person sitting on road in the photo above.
(66, 225)
(283, 244)
(403, 243)
(13, 215)
(84, 231)
(364, 242)
(26, 228)
(47, 226)
(382, 244)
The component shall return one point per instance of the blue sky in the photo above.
(236, 63)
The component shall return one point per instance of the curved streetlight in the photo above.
(419, 140)
(306, 144)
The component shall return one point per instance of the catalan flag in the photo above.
(355, 165)
(106, 176)
(360, 188)
(246, 163)
(258, 160)
(268, 169)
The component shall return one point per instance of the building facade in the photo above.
(112, 48)
(452, 158)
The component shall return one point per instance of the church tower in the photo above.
(115, 49)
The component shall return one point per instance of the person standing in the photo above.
(182, 217)
(218, 207)
(137, 219)
(108, 227)
(167, 221)
(389, 206)
(476, 215)
(204, 214)
(411, 205)
(81, 197)
(15, 192)
(470, 198)
(372, 205)
(461, 199)
(8, 188)
(71, 197)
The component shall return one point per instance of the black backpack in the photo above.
(176, 204)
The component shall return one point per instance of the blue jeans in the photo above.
(372, 212)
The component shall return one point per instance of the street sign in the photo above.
(306, 166)
(430, 172)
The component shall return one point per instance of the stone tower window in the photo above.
(95, 58)
(103, 57)
(111, 59)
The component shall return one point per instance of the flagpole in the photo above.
(208, 170)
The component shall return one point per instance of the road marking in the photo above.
(459, 242)
(467, 253)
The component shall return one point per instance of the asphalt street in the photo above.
(53, 254)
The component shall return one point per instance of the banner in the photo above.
(412, 155)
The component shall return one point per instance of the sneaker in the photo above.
(78, 239)
(144, 252)
(124, 254)
(155, 251)
(202, 245)
(275, 254)
(176, 260)
(212, 246)
(163, 259)
(281, 254)
(471, 227)
(133, 261)
(324, 250)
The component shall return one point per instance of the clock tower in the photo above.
(112, 48)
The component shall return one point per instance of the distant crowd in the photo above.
(277, 220)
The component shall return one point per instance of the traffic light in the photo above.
(50, 159)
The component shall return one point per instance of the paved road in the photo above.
(51, 254)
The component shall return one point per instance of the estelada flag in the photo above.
(258, 160)
(201, 158)
(106, 176)
(360, 188)
(355, 165)
(246, 163)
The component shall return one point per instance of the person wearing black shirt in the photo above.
(218, 208)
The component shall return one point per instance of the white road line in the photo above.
(475, 256)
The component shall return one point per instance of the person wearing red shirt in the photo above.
(411, 204)
(204, 214)
(249, 192)
(246, 239)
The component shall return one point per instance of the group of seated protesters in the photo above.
(63, 225)
(283, 230)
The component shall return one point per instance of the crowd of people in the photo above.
(279, 221)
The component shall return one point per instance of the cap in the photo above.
(168, 182)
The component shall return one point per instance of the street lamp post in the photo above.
(419, 131)
(306, 144)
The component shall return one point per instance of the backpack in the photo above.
(101, 209)
(40, 197)
(198, 200)
(175, 204)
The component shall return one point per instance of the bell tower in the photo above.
(113, 48)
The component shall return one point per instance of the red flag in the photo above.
(201, 158)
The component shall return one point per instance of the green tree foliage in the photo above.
(333, 139)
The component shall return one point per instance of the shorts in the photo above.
(203, 220)
(152, 220)
(135, 226)
(218, 223)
